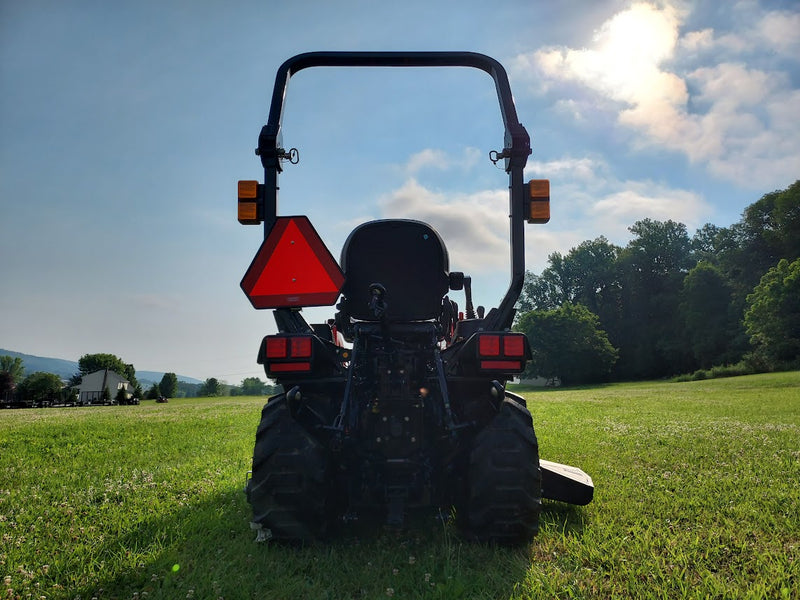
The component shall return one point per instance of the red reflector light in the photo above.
(489, 345)
(501, 365)
(514, 345)
(293, 267)
(292, 367)
(301, 347)
(276, 347)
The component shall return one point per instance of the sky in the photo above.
(124, 127)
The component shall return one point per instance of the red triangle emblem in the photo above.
(292, 268)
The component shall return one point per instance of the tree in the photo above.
(773, 314)
(649, 332)
(41, 388)
(153, 393)
(122, 397)
(768, 231)
(106, 396)
(89, 363)
(713, 329)
(72, 396)
(773, 224)
(188, 390)
(660, 247)
(12, 371)
(568, 343)
(253, 386)
(586, 275)
(210, 387)
(169, 385)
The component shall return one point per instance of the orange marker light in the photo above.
(249, 202)
(248, 211)
(538, 201)
(248, 190)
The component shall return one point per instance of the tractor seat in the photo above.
(406, 258)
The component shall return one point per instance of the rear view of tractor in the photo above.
(398, 401)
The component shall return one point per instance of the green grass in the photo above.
(697, 496)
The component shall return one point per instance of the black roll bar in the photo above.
(515, 152)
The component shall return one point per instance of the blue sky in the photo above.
(124, 127)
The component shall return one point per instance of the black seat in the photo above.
(407, 258)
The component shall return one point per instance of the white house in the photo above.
(90, 391)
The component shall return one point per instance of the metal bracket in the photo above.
(293, 155)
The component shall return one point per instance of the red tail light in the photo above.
(502, 352)
(514, 345)
(288, 353)
(298, 367)
(276, 347)
(489, 345)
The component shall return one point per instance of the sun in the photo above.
(631, 45)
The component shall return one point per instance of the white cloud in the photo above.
(474, 227)
(633, 201)
(697, 41)
(586, 201)
(427, 158)
(623, 62)
(435, 159)
(729, 87)
(739, 120)
(575, 168)
(781, 31)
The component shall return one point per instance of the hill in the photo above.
(67, 368)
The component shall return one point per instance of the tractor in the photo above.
(398, 402)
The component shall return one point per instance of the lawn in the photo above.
(697, 496)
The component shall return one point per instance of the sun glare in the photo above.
(632, 44)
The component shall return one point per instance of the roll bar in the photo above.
(515, 152)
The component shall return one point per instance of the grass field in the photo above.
(697, 496)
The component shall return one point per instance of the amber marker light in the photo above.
(248, 189)
(538, 201)
(247, 211)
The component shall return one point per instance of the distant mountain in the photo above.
(67, 368)
(63, 368)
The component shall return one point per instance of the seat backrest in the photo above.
(407, 258)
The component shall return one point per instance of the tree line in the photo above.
(170, 387)
(42, 389)
(669, 303)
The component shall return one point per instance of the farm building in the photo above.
(90, 390)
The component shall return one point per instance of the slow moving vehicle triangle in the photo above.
(293, 267)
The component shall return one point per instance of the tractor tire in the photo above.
(289, 486)
(504, 495)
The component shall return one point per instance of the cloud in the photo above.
(474, 227)
(584, 168)
(739, 120)
(781, 31)
(587, 201)
(435, 159)
(697, 41)
(623, 63)
(631, 201)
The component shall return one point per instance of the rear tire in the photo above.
(289, 486)
(504, 482)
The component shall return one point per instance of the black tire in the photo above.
(504, 495)
(289, 486)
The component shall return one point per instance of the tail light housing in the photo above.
(503, 352)
(283, 354)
